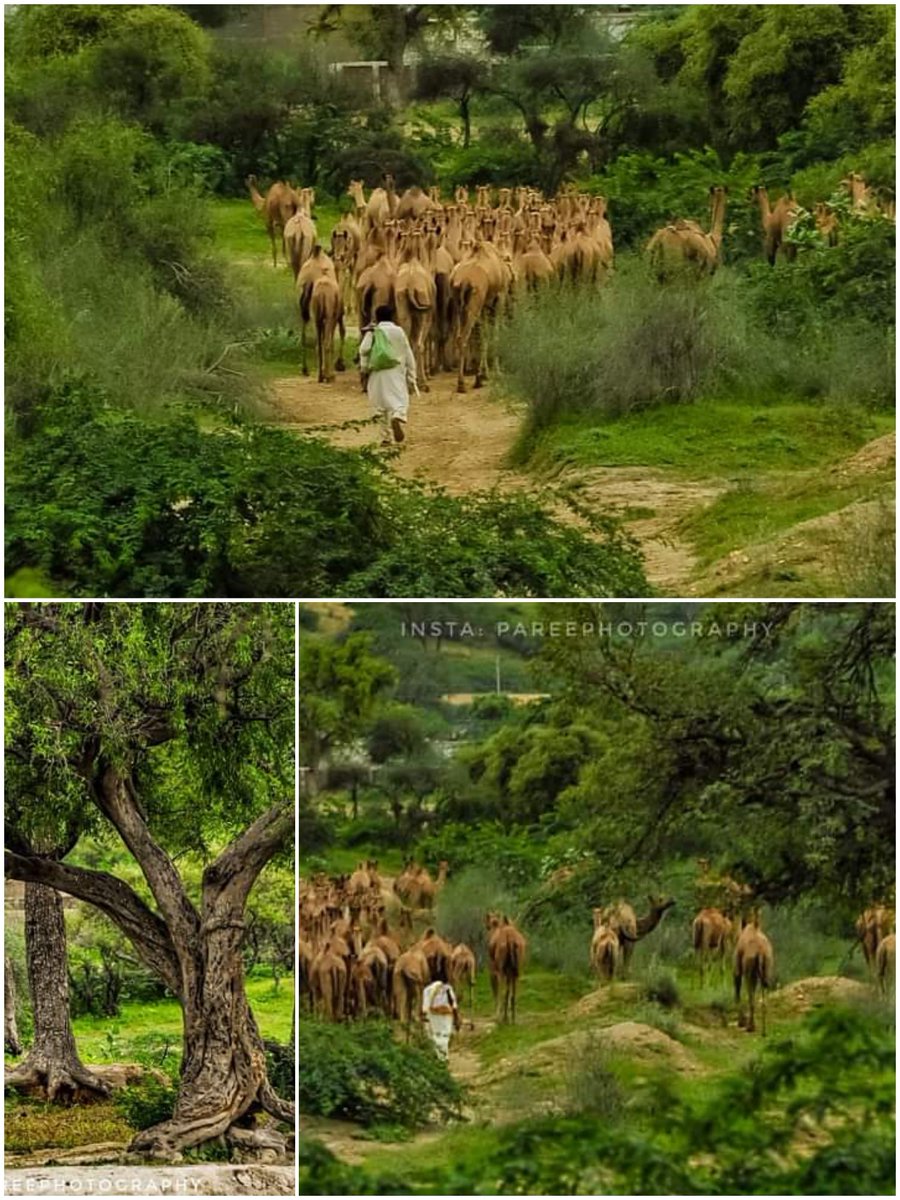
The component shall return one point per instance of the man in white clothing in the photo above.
(388, 389)
(441, 1012)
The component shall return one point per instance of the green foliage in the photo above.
(146, 1103)
(811, 1116)
(361, 1073)
(792, 332)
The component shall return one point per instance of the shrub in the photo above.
(591, 1085)
(661, 988)
(361, 1073)
(106, 503)
(147, 1103)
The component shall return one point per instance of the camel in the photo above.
(885, 963)
(710, 933)
(375, 286)
(776, 223)
(412, 205)
(506, 957)
(463, 968)
(581, 257)
(862, 198)
(437, 954)
(320, 302)
(753, 963)
(369, 977)
(872, 926)
(277, 207)
(429, 888)
(415, 294)
(827, 223)
(411, 976)
(305, 956)
(299, 238)
(630, 928)
(476, 285)
(685, 246)
(328, 977)
(604, 949)
(381, 204)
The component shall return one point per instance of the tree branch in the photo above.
(231, 876)
(117, 800)
(143, 928)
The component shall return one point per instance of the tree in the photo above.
(340, 684)
(172, 727)
(385, 31)
(779, 748)
(455, 75)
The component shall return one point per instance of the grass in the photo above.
(33, 1125)
(715, 438)
(106, 1039)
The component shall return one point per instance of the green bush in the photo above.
(104, 502)
(812, 1116)
(147, 1103)
(591, 1084)
(361, 1073)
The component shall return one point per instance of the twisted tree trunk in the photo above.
(11, 1042)
(197, 955)
(52, 1068)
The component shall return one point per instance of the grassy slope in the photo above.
(514, 1081)
(773, 458)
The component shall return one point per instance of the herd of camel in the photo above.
(359, 953)
(449, 269)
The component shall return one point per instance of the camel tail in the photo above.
(513, 964)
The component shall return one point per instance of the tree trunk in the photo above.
(467, 125)
(11, 1042)
(52, 1068)
(224, 1080)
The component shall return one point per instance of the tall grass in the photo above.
(597, 354)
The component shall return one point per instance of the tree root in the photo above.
(59, 1081)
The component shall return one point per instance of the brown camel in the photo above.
(437, 954)
(428, 888)
(305, 956)
(299, 238)
(873, 925)
(320, 302)
(411, 977)
(277, 207)
(604, 949)
(476, 286)
(886, 963)
(463, 968)
(506, 958)
(776, 223)
(710, 933)
(382, 203)
(328, 977)
(630, 928)
(684, 246)
(754, 964)
(415, 294)
(827, 223)
(412, 205)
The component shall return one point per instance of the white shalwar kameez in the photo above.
(388, 390)
(439, 996)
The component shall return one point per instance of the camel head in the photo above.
(661, 903)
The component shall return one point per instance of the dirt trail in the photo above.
(461, 444)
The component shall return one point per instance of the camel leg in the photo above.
(495, 992)
(738, 977)
(513, 983)
(751, 1000)
(339, 365)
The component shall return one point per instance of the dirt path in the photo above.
(457, 442)
(461, 443)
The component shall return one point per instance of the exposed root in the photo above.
(60, 1082)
